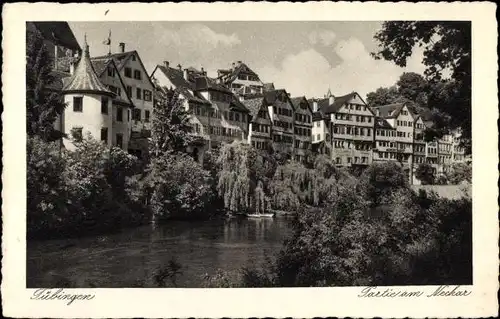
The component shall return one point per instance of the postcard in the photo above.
(250, 159)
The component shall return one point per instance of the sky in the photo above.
(305, 58)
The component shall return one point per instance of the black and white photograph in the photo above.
(250, 154)
(261, 154)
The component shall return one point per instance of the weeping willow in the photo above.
(235, 184)
(294, 185)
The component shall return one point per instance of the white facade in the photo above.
(85, 113)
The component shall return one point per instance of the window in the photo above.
(119, 140)
(318, 137)
(136, 115)
(137, 74)
(104, 134)
(119, 114)
(147, 95)
(76, 133)
(111, 71)
(77, 104)
(129, 91)
(133, 57)
(128, 115)
(146, 115)
(104, 105)
(138, 93)
(128, 72)
(237, 117)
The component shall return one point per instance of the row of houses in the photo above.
(112, 98)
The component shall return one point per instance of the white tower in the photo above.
(89, 106)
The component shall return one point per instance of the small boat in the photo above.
(268, 215)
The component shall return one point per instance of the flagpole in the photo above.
(109, 43)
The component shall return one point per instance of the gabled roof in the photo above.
(272, 96)
(121, 59)
(100, 65)
(254, 106)
(296, 101)
(205, 83)
(393, 110)
(184, 87)
(84, 78)
(235, 104)
(380, 122)
(337, 103)
(57, 32)
(231, 74)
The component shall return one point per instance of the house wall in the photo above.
(353, 134)
(143, 84)
(91, 120)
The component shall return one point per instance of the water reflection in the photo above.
(119, 260)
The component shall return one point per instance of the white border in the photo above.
(290, 302)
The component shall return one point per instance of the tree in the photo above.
(170, 128)
(383, 96)
(380, 180)
(244, 172)
(447, 50)
(411, 88)
(425, 173)
(47, 197)
(458, 173)
(43, 105)
(178, 187)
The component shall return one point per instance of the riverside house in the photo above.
(259, 128)
(399, 116)
(216, 114)
(303, 127)
(91, 107)
(139, 88)
(281, 113)
(241, 80)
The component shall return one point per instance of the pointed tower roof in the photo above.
(329, 93)
(84, 78)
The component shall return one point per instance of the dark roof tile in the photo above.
(84, 79)
(254, 105)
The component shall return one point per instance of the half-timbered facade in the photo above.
(281, 113)
(303, 128)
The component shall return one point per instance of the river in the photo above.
(122, 259)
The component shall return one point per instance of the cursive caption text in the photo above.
(59, 294)
(441, 291)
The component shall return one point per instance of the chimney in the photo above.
(331, 99)
(234, 65)
(122, 47)
(315, 105)
(186, 75)
(179, 66)
(166, 64)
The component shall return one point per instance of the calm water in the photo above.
(119, 260)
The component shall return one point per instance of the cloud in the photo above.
(310, 73)
(193, 37)
(325, 37)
